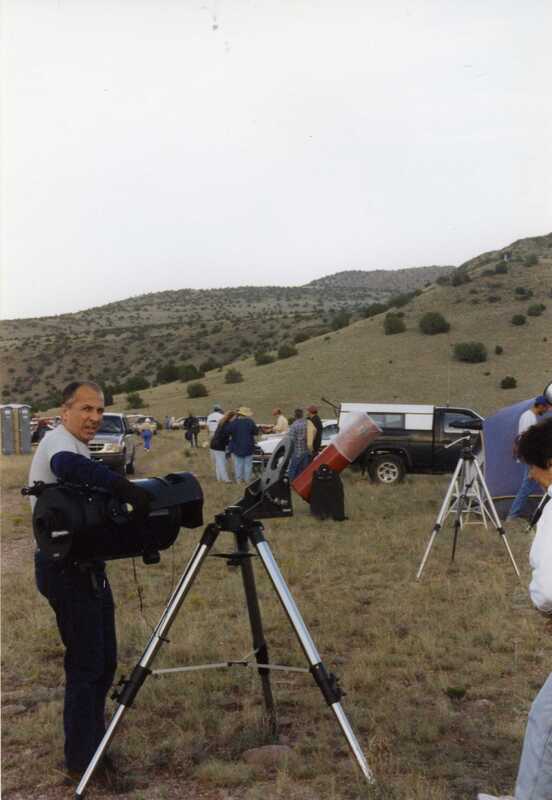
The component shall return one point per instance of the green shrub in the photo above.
(433, 322)
(459, 278)
(442, 280)
(263, 357)
(233, 376)
(208, 364)
(521, 293)
(508, 382)
(197, 390)
(286, 351)
(302, 336)
(400, 300)
(134, 400)
(471, 352)
(499, 350)
(188, 372)
(518, 319)
(531, 260)
(501, 268)
(393, 324)
(340, 320)
(135, 384)
(167, 373)
(535, 310)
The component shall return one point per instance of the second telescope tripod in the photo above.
(237, 519)
(466, 482)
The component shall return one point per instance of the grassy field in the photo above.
(439, 674)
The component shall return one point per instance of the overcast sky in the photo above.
(163, 144)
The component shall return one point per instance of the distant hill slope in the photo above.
(399, 280)
(343, 352)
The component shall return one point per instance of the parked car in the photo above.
(267, 444)
(415, 438)
(114, 444)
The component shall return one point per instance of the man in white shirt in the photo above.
(528, 486)
(214, 418)
(534, 779)
(80, 594)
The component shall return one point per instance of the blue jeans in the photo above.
(534, 780)
(527, 488)
(297, 464)
(85, 615)
(243, 467)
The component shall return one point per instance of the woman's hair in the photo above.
(535, 444)
(226, 418)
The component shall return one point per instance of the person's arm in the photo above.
(540, 558)
(74, 468)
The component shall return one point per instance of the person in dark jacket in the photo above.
(191, 429)
(312, 413)
(218, 445)
(242, 431)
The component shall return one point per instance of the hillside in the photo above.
(360, 362)
(134, 338)
(382, 280)
(355, 361)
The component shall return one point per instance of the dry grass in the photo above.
(439, 674)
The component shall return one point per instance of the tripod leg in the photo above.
(259, 643)
(460, 502)
(440, 517)
(326, 682)
(141, 671)
(495, 518)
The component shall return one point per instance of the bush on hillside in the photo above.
(531, 260)
(373, 309)
(442, 280)
(535, 310)
(135, 384)
(167, 373)
(188, 372)
(208, 364)
(433, 322)
(197, 390)
(286, 351)
(301, 336)
(522, 293)
(263, 357)
(499, 350)
(233, 376)
(470, 352)
(501, 268)
(134, 400)
(340, 320)
(459, 278)
(393, 324)
(518, 319)
(508, 382)
(400, 300)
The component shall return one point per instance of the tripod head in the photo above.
(268, 496)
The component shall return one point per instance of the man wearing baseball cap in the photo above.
(528, 486)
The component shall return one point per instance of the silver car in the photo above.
(114, 444)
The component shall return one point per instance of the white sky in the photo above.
(163, 144)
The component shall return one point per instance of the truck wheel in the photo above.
(387, 469)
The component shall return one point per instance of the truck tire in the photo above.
(388, 469)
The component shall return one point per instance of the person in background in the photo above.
(147, 435)
(281, 425)
(315, 444)
(218, 445)
(534, 778)
(300, 456)
(191, 429)
(528, 486)
(214, 418)
(80, 594)
(242, 430)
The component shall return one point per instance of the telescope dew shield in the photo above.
(359, 430)
(81, 523)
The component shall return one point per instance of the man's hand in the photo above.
(139, 498)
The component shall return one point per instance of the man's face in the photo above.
(542, 476)
(83, 416)
(541, 409)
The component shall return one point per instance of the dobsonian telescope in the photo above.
(66, 520)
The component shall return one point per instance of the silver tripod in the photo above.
(264, 498)
(466, 484)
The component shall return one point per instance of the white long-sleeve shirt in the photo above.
(540, 559)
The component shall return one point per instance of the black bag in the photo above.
(327, 500)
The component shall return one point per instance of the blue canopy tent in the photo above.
(503, 474)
